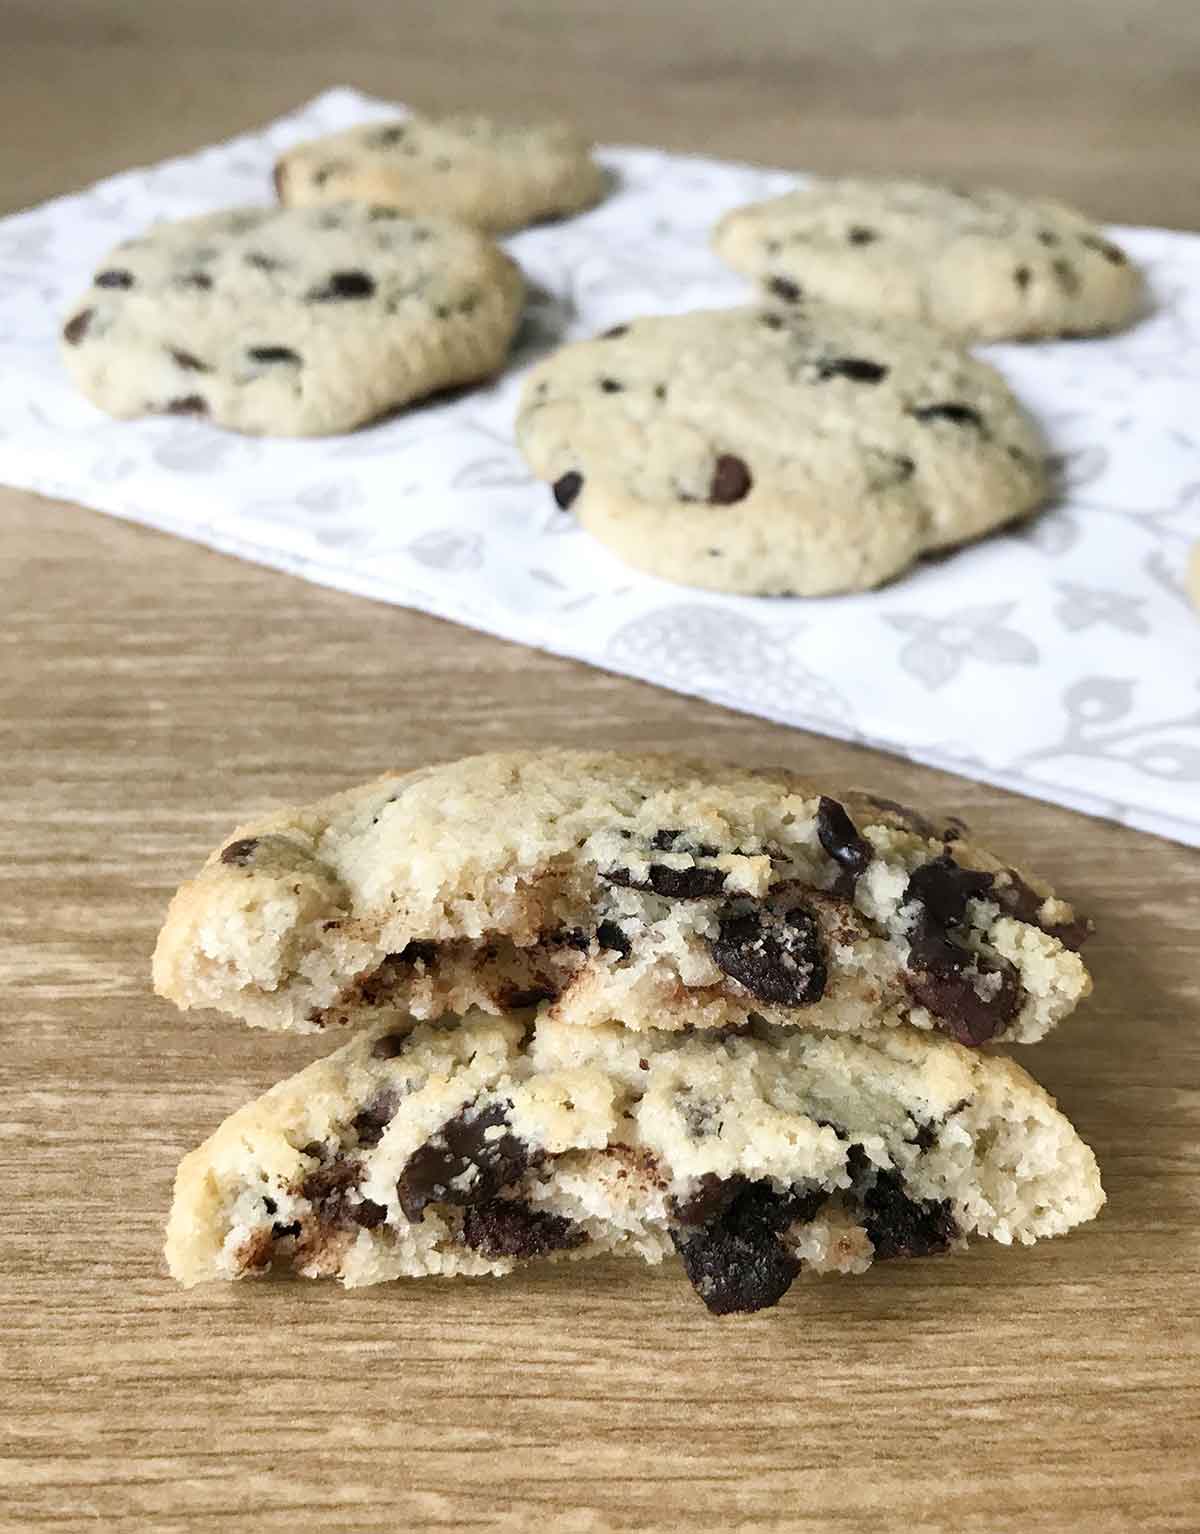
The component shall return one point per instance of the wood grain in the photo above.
(151, 693)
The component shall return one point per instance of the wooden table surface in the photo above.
(151, 693)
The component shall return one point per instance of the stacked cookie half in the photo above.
(624, 1004)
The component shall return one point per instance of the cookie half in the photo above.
(797, 453)
(979, 263)
(291, 323)
(668, 893)
(493, 175)
(471, 1146)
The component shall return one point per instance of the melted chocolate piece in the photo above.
(1022, 277)
(612, 333)
(1066, 276)
(776, 955)
(731, 481)
(460, 1146)
(188, 404)
(375, 1117)
(611, 386)
(859, 234)
(114, 278)
(501, 1227)
(187, 361)
(857, 369)
(511, 997)
(380, 984)
(1109, 251)
(240, 853)
(735, 1259)
(900, 1226)
(566, 487)
(389, 1045)
(972, 995)
(199, 280)
(77, 326)
(1016, 899)
(273, 354)
(672, 883)
(328, 1188)
(610, 936)
(839, 837)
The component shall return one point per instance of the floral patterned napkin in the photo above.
(1061, 660)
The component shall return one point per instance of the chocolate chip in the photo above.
(327, 1188)
(1022, 277)
(342, 285)
(566, 487)
(925, 1137)
(370, 1123)
(858, 369)
(240, 853)
(900, 1226)
(611, 386)
(77, 326)
(957, 414)
(1047, 237)
(1017, 900)
(1109, 251)
(1068, 277)
(367, 1213)
(785, 288)
(610, 936)
(859, 234)
(614, 332)
(503, 1227)
(943, 888)
(325, 173)
(272, 354)
(389, 1045)
(772, 321)
(262, 263)
(188, 362)
(115, 277)
(511, 997)
(187, 404)
(380, 985)
(672, 883)
(735, 1260)
(459, 1147)
(199, 280)
(282, 1232)
(971, 995)
(660, 391)
(904, 467)
(731, 481)
(777, 956)
(839, 836)
(392, 134)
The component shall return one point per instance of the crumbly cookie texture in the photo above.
(291, 323)
(470, 1146)
(664, 892)
(493, 175)
(979, 263)
(779, 453)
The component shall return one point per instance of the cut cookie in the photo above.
(493, 175)
(982, 264)
(468, 1147)
(796, 453)
(291, 323)
(663, 892)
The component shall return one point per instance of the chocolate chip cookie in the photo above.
(291, 323)
(671, 894)
(979, 263)
(493, 175)
(471, 1146)
(779, 453)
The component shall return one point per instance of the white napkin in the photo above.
(1061, 660)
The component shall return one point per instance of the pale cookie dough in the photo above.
(796, 452)
(664, 892)
(291, 323)
(474, 1145)
(979, 263)
(493, 175)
